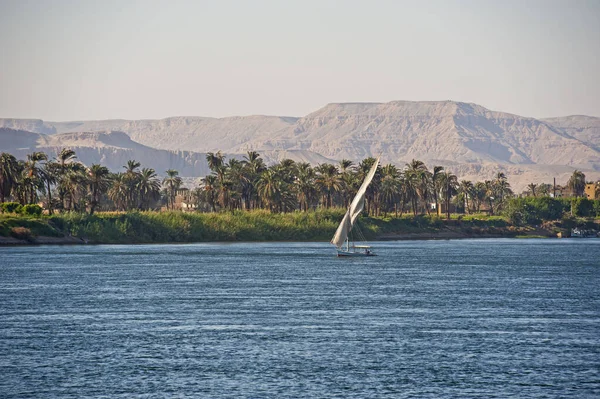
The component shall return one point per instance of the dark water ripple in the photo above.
(428, 319)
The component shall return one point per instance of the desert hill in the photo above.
(176, 133)
(470, 140)
(584, 128)
(111, 149)
(444, 132)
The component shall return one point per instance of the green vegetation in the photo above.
(156, 227)
(36, 226)
(248, 200)
(196, 227)
(65, 185)
(258, 225)
(535, 210)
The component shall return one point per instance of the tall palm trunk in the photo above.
(50, 212)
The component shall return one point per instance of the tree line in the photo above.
(66, 185)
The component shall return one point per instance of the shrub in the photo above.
(532, 210)
(520, 211)
(32, 209)
(582, 207)
(11, 207)
(21, 233)
(514, 213)
(569, 221)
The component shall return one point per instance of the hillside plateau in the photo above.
(468, 139)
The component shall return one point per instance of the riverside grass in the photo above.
(161, 227)
(258, 225)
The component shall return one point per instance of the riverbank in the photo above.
(169, 227)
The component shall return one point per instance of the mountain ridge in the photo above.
(459, 135)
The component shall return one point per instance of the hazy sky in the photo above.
(74, 60)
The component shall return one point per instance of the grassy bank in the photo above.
(155, 227)
(159, 227)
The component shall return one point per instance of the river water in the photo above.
(425, 319)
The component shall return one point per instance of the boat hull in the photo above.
(341, 253)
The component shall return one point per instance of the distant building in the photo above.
(442, 208)
(184, 200)
(561, 191)
(590, 190)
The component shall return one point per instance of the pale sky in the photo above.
(78, 60)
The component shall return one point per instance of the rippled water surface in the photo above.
(469, 318)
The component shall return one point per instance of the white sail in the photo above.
(358, 203)
(342, 231)
(356, 207)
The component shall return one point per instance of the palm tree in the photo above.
(417, 179)
(391, 187)
(329, 182)
(118, 191)
(209, 189)
(305, 185)
(65, 157)
(531, 188)
(489, 194)
(65, 161)
(287, 170)
(33, 174)
(49, 175)
(20, 190)
(466, 190)
(8, 175)
(437, 180)
(269, 188)
(148, 187)
(479, 195)
(172, 183)
(99, 182)
(196, 197)
(576, 183)
(347, 170)
(238, 175)
(254, 166)
(75, 185)
(502, 186)
(226, 194)
(448, 187)
(215, 161)
(132, 176)
(544, 189)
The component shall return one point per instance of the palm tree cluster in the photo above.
(67, 185)
(249, 184)
(245, 184)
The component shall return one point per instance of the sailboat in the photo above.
(340, 239)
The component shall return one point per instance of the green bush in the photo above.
(568, 221)
(32, 210)
(534, 210)
(515, 213)
(582, 207)
(11, 207)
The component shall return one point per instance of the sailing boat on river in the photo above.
(341, 239)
